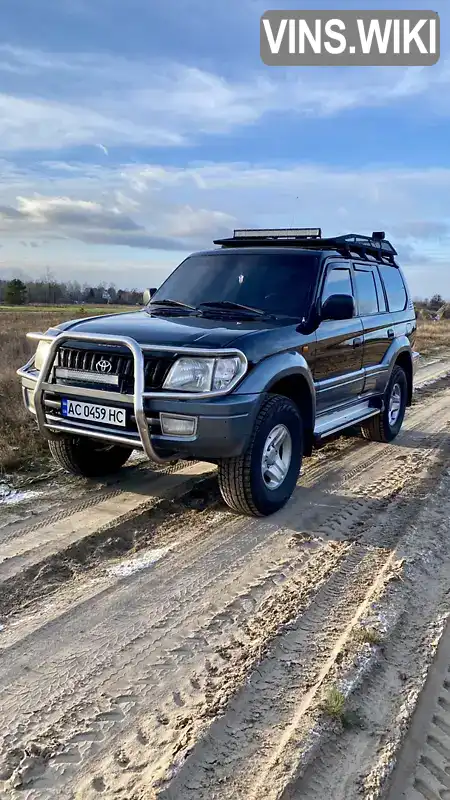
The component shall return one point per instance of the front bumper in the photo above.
(224, 421)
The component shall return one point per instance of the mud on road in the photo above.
(154, 644)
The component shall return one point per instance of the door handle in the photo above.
(391, 333)
(358, 341)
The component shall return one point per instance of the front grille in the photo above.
(156, 367)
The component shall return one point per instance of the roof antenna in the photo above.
(293, 216)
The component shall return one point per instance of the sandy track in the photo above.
(185, 656)
(358, 761)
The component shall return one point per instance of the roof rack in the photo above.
(350, 244)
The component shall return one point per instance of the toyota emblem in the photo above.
(103, 366)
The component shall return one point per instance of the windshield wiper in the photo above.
(227, 304)
(172, 304)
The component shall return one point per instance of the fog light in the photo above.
(178, 426)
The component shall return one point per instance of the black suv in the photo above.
(247, 356)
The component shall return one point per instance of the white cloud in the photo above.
(301, 194)
(144, 209)
(34, 124)
(171, 226)
(68, 213)
(187, 221)
(65, 100)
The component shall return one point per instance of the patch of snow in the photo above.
(313, 739)
(383, 618)
(363, 662)
(10, 496)
(131, 565)
(137, 455)
(422, 384)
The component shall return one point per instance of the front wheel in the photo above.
(88, 457)
(386, 425)
(262, 480)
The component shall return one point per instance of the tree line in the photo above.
(434, 307)
(47, 291)
(16, 292)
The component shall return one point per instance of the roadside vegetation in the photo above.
(20, 446)
(433, 337)
(333, 704)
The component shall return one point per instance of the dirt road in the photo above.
(153, 644)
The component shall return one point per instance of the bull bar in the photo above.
(48, 428)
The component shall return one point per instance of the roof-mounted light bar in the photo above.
(278, 233)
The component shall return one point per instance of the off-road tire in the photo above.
(88, 457)
(240, 479)
(378, 429)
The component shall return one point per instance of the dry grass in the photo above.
(433, 336)
(368, 636)
(334, 703)
(20, 445)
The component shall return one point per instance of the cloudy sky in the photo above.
(134, 133)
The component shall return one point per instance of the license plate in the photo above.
(91, 412)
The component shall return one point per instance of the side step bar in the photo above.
(344, 418)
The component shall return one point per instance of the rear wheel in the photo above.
(386, 425)
(262, 480)
(88, 457)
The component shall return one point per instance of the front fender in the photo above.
(273, 369)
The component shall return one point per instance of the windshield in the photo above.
(276, 283)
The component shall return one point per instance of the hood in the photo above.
(171, 331)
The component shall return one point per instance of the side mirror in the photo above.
(338, 307)
(147, 296)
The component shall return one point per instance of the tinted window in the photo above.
(367, 293)
(338, 281)
(279, 283)
(395, 288)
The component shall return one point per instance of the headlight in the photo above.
(203, 374)
(190, 375)
(41, 354)
(225, 371)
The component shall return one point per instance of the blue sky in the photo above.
(133, 133)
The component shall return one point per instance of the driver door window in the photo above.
(338, 281)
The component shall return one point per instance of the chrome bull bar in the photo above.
(137, 350)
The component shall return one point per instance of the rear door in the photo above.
(377, 323)
(338, 371)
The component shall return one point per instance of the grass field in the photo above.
(86, 310)
(20, 445)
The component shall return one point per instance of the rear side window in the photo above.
(366, 291)
(338, 281)
(395, 288)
